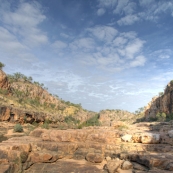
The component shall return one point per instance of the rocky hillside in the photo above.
(22, 100)
(109, 117)
(162, 104)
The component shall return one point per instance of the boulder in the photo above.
(94, 157)
(150, 138)
(127, 165)
(170, 133)
(126, 138)
(136, 138)
(113, 165)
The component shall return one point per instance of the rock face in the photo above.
(11, 114)
(3, 81)
(161, 104)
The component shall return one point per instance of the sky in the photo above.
(104, 54)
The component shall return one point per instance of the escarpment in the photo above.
(161, 104)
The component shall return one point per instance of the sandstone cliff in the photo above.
(21, 99)
(161, 104)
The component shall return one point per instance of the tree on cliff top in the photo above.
(1, 65)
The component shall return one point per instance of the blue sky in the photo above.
(104, 54)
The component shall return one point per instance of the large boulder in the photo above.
(150, 138)
(127, 165)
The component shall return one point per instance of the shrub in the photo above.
(1, 65)
(171, 82)
(93, 121)
(46, 124)
(69, 119)
(18, 128)
(169, 117)
(161, 116)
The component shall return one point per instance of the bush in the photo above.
(69, 119)
(169, 117)
(18, 128)
(46, 124)
(93, 121)
(1, 65)
(161, 116)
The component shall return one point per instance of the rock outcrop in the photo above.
(3, 81)
(161, 104)
(97, 145)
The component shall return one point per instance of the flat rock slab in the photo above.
(65, 166)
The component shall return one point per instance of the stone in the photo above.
(126, 165)
(108, 158)
(170, 133)
(150, 138)
(126, 138)
(136, 138)
(94, 157)
(137, 166)
(113, 165)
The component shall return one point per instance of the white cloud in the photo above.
(164, 7)
(64, 35)
(59, 45)
(101, 11)
(162, 54)
(107, 3)
(138, 61)
(146, 2)
(128, 20)
(9, 43)
(130, 8)
(119, 41)
(103, 33)
(133, 48)
(87, 44)
(24, 21)
(156, 9)
(120, 6)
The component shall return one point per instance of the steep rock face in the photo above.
(161, 104)
(12, 114)
(3, 80)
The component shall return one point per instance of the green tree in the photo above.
(1, 65)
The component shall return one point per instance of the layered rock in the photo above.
(104, 146)
(161, 104)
